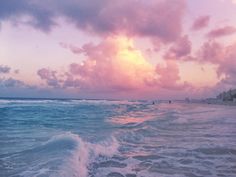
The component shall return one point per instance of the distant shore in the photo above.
(229, 103)
(224, 98)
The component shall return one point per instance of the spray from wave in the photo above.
(85, 153)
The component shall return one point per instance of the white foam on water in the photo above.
(85, 153)
(6, 101)
(105, 102)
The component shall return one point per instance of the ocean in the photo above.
(102, 138)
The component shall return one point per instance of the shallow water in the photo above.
(100, 138)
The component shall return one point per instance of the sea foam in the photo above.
(85, 153)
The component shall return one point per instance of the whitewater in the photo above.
(110, 138)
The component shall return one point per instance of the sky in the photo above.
(117, 49)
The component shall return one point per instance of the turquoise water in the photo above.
(100, 138)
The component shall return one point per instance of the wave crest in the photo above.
(84, 154)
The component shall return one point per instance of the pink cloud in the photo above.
(228, 67)
(49, 76)
(181, 48)
(115, 66)
(74, 49)
(201, 22)
(224, 57)
(112, 65)
(212, 52)
(169, 76)
(154, 19)
(220, 32)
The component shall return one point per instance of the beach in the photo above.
(102, 138)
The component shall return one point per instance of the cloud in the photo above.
(169, 76)
(74, 49)
(223, 57)
(201, 22)
(111, 65)
(220, 32)
(16, 71)
(10, 82)
(160, 19)
(11, 87)
(4, 69)
(212, 52)
(49, 76)
(115, 67)
(38, 14)
(181, 48)
(228, 66)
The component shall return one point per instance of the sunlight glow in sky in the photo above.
(122, 49)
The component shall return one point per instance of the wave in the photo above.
(106, 102)
(29, 101)
(66, 155)
(85, 153)
(68, 101)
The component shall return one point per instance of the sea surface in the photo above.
(101, 138)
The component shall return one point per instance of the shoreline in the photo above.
(226, 103)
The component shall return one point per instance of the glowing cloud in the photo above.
(113, 65)
(154, 47)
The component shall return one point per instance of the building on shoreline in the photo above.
(224, 97)
(227, 96)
